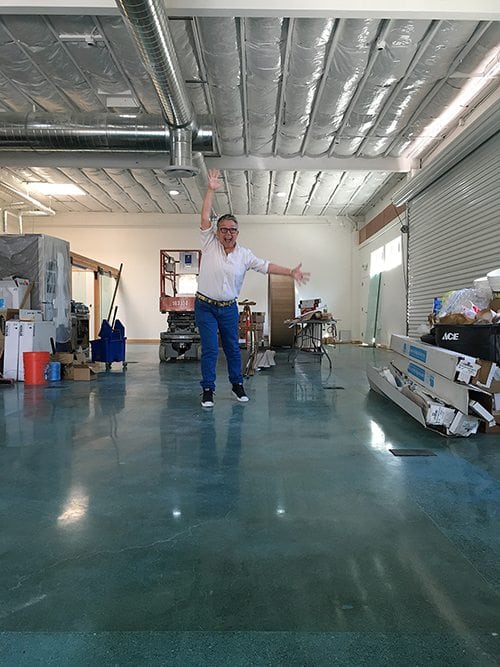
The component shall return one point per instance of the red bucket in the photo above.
(35, 367)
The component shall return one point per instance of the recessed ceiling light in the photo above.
(55, 189)
(173, 192)
(281, 194)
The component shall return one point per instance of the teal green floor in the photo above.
(141, 529)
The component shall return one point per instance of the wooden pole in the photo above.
(115, 291)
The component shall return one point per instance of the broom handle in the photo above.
(115, 291)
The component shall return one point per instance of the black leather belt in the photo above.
(214, 302)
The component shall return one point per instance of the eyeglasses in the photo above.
(228, 230)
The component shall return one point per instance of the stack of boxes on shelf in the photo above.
(446, 391)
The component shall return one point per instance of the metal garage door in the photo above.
(454, 231)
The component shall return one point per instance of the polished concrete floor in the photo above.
(139, 528)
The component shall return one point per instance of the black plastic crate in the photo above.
(476, 340)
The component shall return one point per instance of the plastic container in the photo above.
(476, 340)
(111, 344)
(481, 283)
(35, 367)
(54, 371)
(494, 280)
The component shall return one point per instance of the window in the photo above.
(392, 254)
(386, 257)
(377, 261)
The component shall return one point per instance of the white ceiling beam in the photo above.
(482, 10)
(123, 160)
(399, 165)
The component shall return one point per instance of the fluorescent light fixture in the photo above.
(481, 77)
(34, 214)
(89, 38)
(174, 193)
(121, 102)
(69, 189)
(281, 194)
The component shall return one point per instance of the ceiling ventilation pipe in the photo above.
(148, 25)
(43, 131)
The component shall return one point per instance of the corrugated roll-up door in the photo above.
(454, 231)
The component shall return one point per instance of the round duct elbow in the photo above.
(181, 170)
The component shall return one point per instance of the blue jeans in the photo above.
(211, 319)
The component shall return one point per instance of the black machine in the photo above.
(181, 338)
(178, 271)
(79, 326)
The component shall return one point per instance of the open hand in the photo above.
(214, 181)
(300, 276)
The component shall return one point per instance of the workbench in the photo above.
(308, 338)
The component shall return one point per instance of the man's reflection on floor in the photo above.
(218, 485)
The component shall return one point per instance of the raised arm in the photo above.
(213, 184)
(297, 274)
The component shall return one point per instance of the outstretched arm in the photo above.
(297, 274)
(213, 184)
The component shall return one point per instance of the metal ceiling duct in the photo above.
(97, 131)
(148, 25)
(115, 132)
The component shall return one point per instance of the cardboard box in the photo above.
(29, 315)
(436, 413)
(449, 364)
(452, 393)
(63, 357)
(83, 372)
(494, 429)
(66, 360)
(421, 407)
(81, 358)
(383, 386)
(67, 371)
(483, 413)
(12, 292)
(439, 415)
(489, 430)
(489, 381)
(464, 425)
(9, 314)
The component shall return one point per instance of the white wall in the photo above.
(325, 248)
(392, 301)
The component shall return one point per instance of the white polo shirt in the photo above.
(221, 276)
